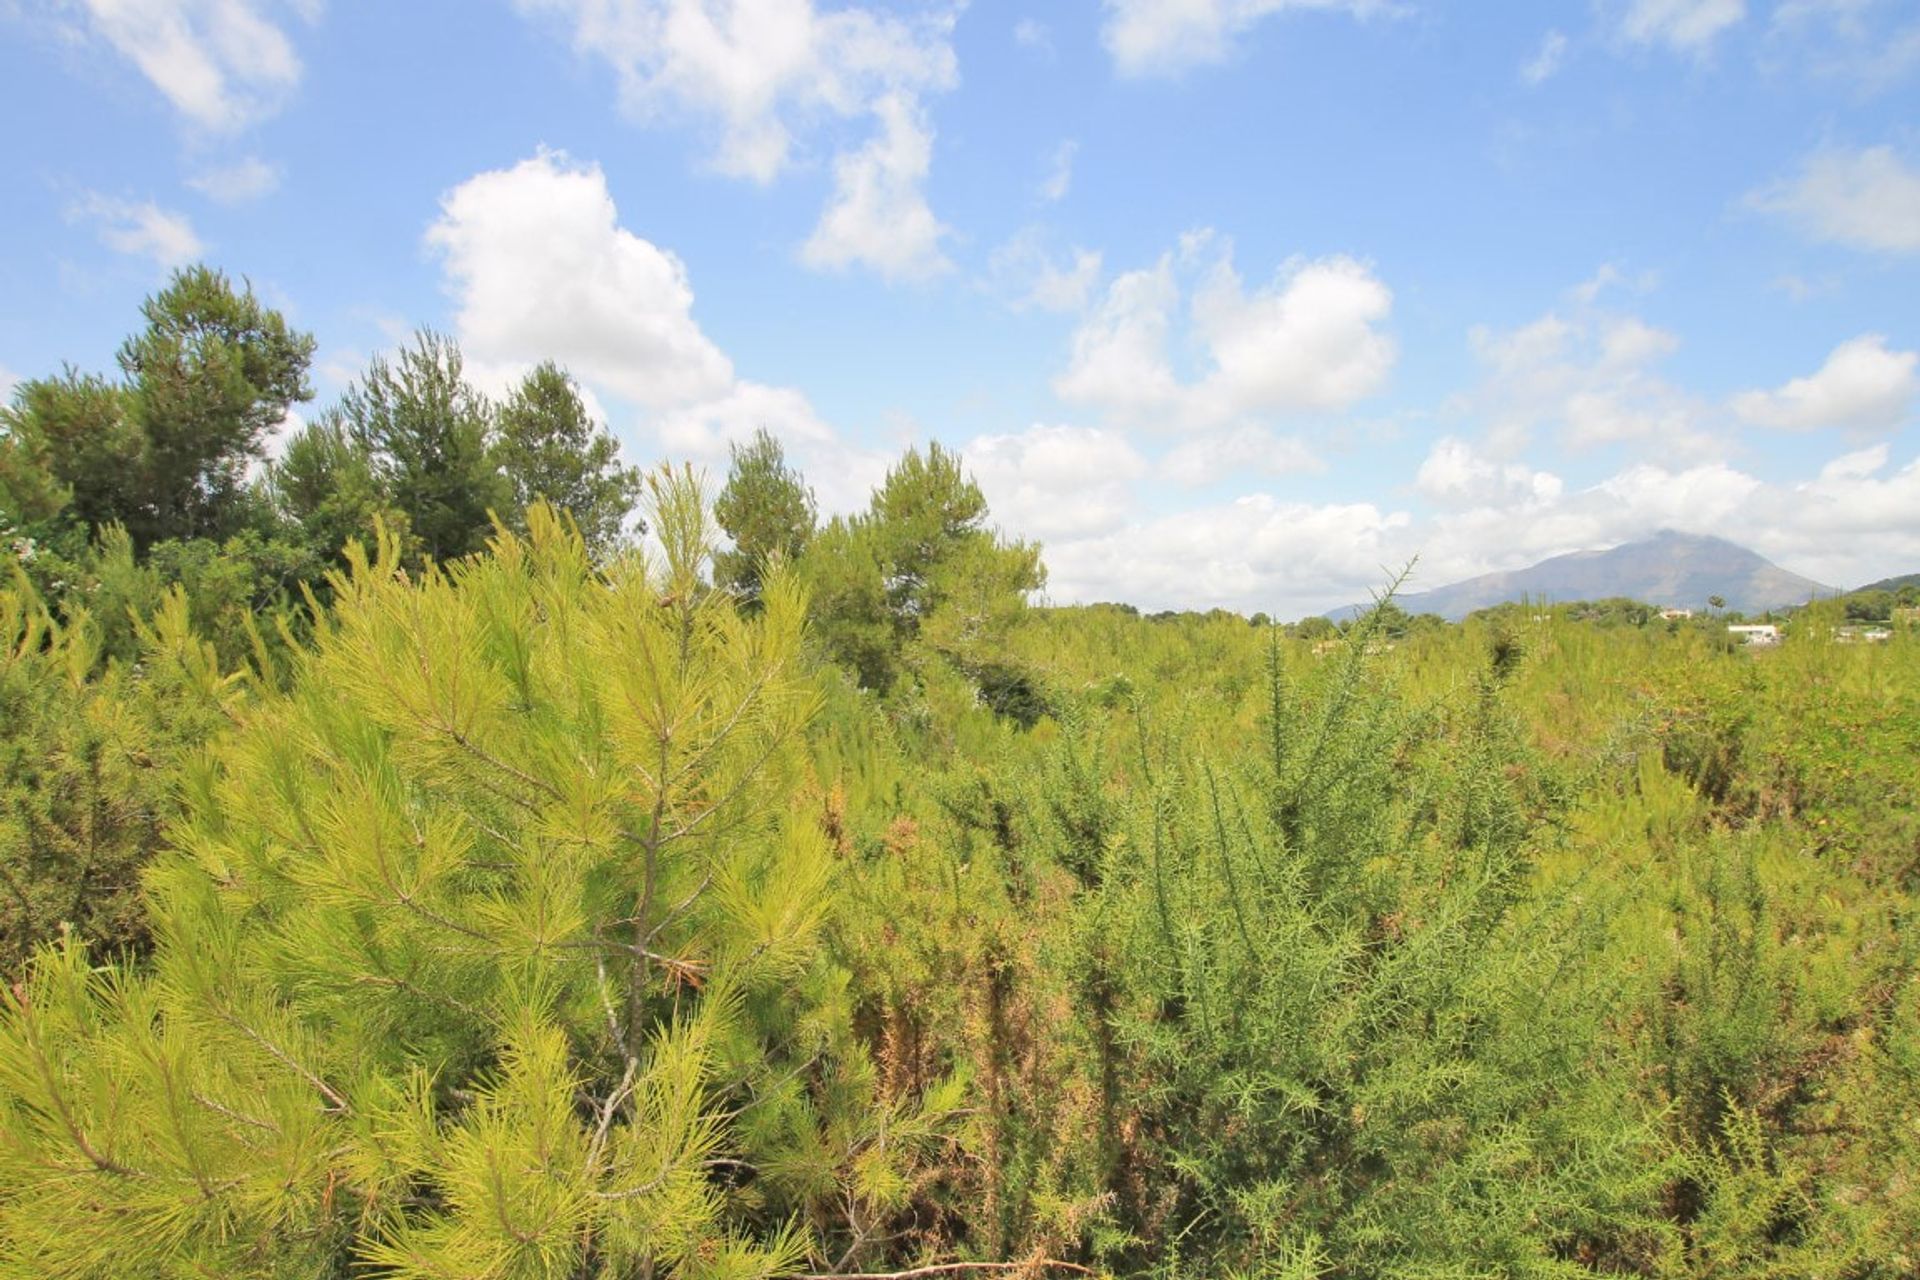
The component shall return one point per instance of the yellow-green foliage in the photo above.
(1543, 948)
(539, 919)
(466, 952)
(89, 751)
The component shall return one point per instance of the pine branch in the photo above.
(946, 1268)
(338, 1102)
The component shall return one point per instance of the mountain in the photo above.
(1675, 569)
(1893, 584)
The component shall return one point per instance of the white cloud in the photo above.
(1454, 475)
(538, 266)
(1027, 274)
(842, 475)
(1165, 37)
(1689, 26)
(221, 63)
(237, 183)
(1851, 523)
(1838, 40)
(766, 74)
(1243, 451)
(1119, 355)
(1253, 553)
(878, 215)
(1609, 276)
(140, 228)
(8, 381)
(1059, 173)
(1546, 60)
(1866, 199)
(1801, 288)
(1309, 340)
(705, 428)
(1863, 386)
(1031, 33)
(762, 70)
(1054, 482)
(1590, 378)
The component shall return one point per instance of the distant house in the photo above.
(1861, 635)
(1756, 635)
(1670, 615)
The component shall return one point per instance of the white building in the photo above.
(1755, 634)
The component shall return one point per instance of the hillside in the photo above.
(1893, 584)
(1670, 568)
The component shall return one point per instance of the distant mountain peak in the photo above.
(1669, 567)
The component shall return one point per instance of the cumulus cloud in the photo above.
(140, 228)
(1119, 358)
(760, 70)
(1026, 273)
(1246, 451)
(1546, 60)
(1865, 199)
(1863, 386)
(1850, 523)
(767, 74)
(1858, 518)
(878, 216)
(1165, 37)
(1454, 475)
(237, 183)
(1308, 340)
(538, 265)
(1253, 553)
(223, 64)
(1689, 26)
(1590, 378)
(843, 475)
(1056, 482)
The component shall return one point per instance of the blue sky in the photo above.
(1235, 302)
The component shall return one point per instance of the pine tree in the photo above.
(469, 947)
(552, 450)
(211, 375)
(165, 452)
(325, 486)
(429, 436)
(767, 510)
(90, 749)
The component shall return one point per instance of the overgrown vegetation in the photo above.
(404, 876)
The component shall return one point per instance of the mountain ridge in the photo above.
(1893, 584)
(1671, 568)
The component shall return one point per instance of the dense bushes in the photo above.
(811, 904)
(531, 918)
